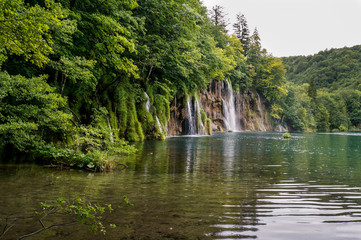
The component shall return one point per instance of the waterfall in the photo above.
(200, 126)
(281, 128)
(110, 129)
(263, 128)
(158, 123)
(229, 109)
(147, 104)
(191, 120)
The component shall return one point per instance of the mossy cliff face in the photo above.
(224, 109)
(187, 117)
(150, 115)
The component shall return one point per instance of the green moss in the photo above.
(342, 128)
(286, 135)
(134, 131)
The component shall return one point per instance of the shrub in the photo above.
(286, 135)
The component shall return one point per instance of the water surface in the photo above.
(227, 186)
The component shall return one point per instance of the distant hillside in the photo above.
(324, 91)
(337, 68)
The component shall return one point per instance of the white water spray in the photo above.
(147, 104)
(191, 120)
(200, 126)
(110, 129)
(229, 108)
(158, 123)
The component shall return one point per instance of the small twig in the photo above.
(46, 228)
(6, 228)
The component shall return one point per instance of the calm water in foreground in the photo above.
(228, 186)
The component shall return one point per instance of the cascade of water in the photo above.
(147, 104)
(229, 108)
(201, 129)
(281, 127)
(110, 129)
(158, 123)
(263, 128)
(191, 120)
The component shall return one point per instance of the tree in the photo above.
(219, 25)
(218, 17)
(312, 90)
(270, 79)
(255, 49)
(323, 119)
(242, 32)
(24, 29)
(31, 113)
(238, 76)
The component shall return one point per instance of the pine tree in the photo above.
(242, 32)
(255, 49)
(218, 17)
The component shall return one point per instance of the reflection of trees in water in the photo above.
(188, 187)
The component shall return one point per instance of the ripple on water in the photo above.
(298, 207)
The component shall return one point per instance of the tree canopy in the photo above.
(74, 73)
(327, 89)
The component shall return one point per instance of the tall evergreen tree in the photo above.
(219, 17)
(219, 21)
(255, 48)
(242, 32)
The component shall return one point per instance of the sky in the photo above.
(298, 27)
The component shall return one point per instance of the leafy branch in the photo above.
(79, 211)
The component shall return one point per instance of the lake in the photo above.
(225, 186)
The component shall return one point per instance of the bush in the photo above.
(342, 128)
(286, 135)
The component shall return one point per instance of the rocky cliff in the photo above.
(219, 109)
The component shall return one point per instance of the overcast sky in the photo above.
(299, 27)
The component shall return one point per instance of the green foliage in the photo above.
(323, 119)
(31, 113)
(92, 149)
(271, 81)
(276, 111)
(242, 32)
(83, 212)
(342, 128)
(63, 212)
(73, 73)
(326, 86)
(24, 29)
(327, 68)
(286, 135)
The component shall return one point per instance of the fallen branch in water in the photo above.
(7, 228)
(46, 228)
(122, 164)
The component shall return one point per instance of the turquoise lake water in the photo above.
(226, 186)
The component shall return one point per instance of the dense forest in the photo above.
(324, 90)
(75, 75)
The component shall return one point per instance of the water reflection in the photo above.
(228, 186)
